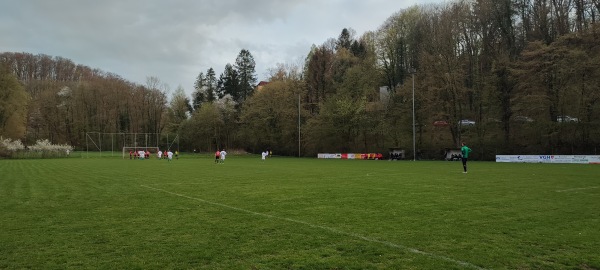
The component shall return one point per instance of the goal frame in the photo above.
(126, 141)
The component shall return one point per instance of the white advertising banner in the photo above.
(568, 159)
(329, 155)
(594, 159)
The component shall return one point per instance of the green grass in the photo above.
(288, 213)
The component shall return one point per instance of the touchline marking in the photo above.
(575, 189)
(358, 236)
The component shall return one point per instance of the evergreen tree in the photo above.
(230, 83)
(245, 67)
(199, 95)
(211, 86)
(220, 91)
(207, 88)
(344, 40)
(358, 49)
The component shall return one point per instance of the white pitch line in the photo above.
(358, 236)
(575, 189)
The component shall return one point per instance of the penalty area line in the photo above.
(576, 189)
(354, 235)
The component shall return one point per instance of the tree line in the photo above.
(524, 71)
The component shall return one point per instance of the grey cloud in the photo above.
(175, 40)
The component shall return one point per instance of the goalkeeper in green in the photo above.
(465, 150)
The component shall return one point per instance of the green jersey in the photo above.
(465, 151)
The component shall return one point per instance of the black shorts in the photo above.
(217, 157)
(464, 161)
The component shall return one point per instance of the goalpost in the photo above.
(103, 142)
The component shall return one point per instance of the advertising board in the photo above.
(562, 159)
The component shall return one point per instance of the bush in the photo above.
(8, 147)
(42, 149)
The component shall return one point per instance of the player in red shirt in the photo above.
(217, 156)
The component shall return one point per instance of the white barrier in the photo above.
(329, 156)
(371, 156)
(569, 159)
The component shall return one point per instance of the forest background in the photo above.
(524, 72)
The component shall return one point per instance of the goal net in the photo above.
(109, 144)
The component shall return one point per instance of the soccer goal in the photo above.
(110, 144)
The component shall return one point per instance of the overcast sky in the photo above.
(176, 40)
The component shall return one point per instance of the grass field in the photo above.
(289, 213)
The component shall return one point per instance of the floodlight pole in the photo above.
(412, 71)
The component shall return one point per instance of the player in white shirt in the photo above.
(170, 155)
(264, 155)
(223, 154)
(159, 154)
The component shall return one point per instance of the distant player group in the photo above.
(141, 154)
(168, 155)
(220, 156)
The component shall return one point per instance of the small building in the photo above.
(261, 85)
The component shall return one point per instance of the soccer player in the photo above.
(217, 156)
(223, 154)
(176, 154)
(465, 150)
(264, 155)
(159, 154)
(170, 155)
